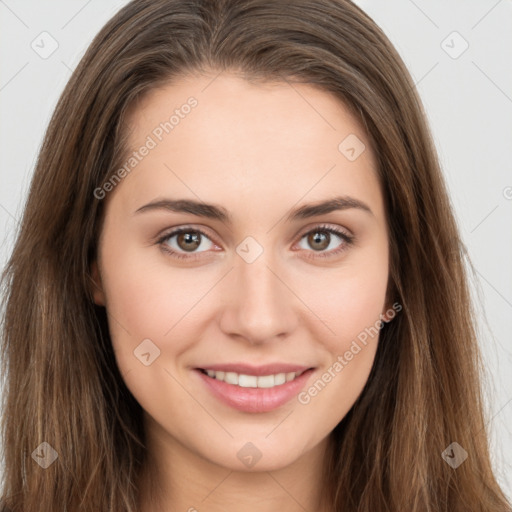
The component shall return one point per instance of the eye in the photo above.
(187, 240)
(320, 239)
(183, 243)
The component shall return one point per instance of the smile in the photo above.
(254, 393)
(253, 381)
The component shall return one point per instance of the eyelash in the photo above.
(347, 239)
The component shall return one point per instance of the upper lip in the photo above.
(246, 369)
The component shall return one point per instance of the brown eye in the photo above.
(186, 240)
(322, 238)
(189, 241)
(318, 240)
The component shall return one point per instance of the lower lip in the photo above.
(255, 399)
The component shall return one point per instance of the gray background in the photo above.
(467, 96)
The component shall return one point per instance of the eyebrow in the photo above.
(217, 212)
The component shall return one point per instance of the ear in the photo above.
(96, 285)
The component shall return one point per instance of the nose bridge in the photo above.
(259, 283)
(260, 306)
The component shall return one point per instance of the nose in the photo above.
(260, 306)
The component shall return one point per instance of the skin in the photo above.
(258, 150)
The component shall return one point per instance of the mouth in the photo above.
(253, 381)
(254, 390)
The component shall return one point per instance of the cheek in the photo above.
(347, 301)
(357, 310)
(142, 302)
(147, 299)
(143, 291)
(136, 298)
(352, 312)
(148, 312)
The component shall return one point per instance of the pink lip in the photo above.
(267, 369)
(255, 400)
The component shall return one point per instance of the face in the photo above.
(213, 325)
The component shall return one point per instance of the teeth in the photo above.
(280, 378)
(248, 381)
(253, 381)
(231, 378)
(266, 381)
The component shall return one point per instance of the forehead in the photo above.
(238, 107)
(224, 136)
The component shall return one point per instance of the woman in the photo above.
(239, 282)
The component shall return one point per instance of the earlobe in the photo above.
(96, 285)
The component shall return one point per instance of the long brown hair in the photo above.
(62, 383)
